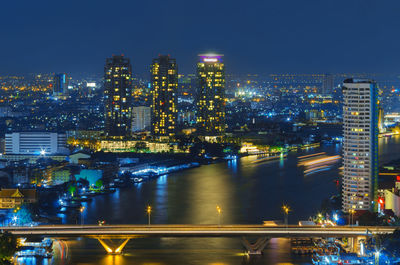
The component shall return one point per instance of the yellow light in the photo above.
(285, 209)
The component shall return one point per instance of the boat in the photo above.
(88, 194)
(106, 191)
(137, 180)
(82, 199)
(34, 252)
(268, 158)
(71, 204)
(41, 249)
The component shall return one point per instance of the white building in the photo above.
(392, 201)
(141, 118)
(35, 143)
(360, 144)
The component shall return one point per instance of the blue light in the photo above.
(362, 249)
(335, 217)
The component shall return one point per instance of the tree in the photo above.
(23, 215)
(141, 146)
(72, 189)
(8, 247)
(99, 183)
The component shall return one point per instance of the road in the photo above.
(195, 231)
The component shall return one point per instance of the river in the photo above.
(246, 192)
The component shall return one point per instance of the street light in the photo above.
(82, 209)
(219, 211)
(148, 211)
(15, 218)
(43, 152)
(351, 213)
(286, 211)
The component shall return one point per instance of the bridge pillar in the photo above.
(257, 247)
(352, 244)
(355, 244)
(112, 247)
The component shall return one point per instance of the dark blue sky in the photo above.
(264, 36)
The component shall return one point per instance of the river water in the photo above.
(247, 192)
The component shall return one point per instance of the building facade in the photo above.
(60, 84)
(141, 118)
(392, 201)
(327, 84)
(35, 143)
(120, 146)
(210, 95)
(12, 198)
(360, 145)
(164, 83)
(118, 96)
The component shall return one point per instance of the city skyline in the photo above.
(200, 132)
(264, 37)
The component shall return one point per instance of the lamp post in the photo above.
(219, 211)
(351, 213)
(148, 211)
(286, 211)
(15, 219)
(82, 209)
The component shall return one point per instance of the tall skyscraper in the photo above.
(117, 93)
(360, 146)
(164, 84)
(211, 95)
(327, 84)
(60, 84)
(141, 118)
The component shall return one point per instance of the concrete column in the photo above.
(111, 247)
(257, 247)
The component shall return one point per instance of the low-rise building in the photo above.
(392, 199)
(117, 146)
(32, 158)
(392, 202)
(11, 198)
(91, 175)
(61, 176)
(74, 158)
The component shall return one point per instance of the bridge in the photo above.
(107, 233)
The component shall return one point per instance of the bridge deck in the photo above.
(195, 231)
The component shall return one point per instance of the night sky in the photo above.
(264, 36)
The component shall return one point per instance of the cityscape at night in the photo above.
(201, 133)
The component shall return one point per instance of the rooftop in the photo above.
(358, 81)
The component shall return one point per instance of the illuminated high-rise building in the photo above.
(117, 93)
(164, 84)
(60, 84)
(141, 118)
(327, 84)
(211, 95)
(360, 145)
